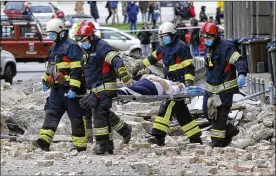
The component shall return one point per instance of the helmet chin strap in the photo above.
(61, 35)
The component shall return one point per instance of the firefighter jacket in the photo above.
(222, 61)
(177, 61)
(67, 55)
(100, 64)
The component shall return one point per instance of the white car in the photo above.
(8, 66)
(119, 39)
(43, 12)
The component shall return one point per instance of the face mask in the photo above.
(52, 36)
(86, 45)
(209, 42)
(166, 39)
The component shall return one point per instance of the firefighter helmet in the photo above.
(209, 28)
(166, 28)
(84, 30)
(55, 25)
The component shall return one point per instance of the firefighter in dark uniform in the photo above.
(178, 67)
(222, 62)
(64, 77)
(101, 65)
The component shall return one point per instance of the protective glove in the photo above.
(194, 91)
(70, 94)
(44, 88)
(124, 75)
(60, 79)
(189, 83)
(241, 80)
(50, 82)
(89, 101)
(137, 68)
(213, 103)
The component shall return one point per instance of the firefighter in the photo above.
(64, 77)
(101, 65)
(222, 62)
(178, 67)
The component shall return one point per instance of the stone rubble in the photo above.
(252, 151)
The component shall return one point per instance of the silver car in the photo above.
(8, 66)
(43, 12)
(119, 39)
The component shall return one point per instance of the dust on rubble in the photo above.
(251, 152)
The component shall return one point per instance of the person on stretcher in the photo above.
(153, 85)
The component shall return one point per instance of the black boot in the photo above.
(229, 135)
(127, 138)
(160, 141)
(195, 139)
(40, 143)
(79, 149)
(100, 149)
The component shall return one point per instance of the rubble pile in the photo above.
(252, 151)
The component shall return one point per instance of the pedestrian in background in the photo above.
(124, 13)
(114, 10)
(27, 13)
(94, 10)
(211, 19)
(194, 39)
(79, 7)
(155, 39)
(144, 5)
(151, 10)
(202, 15)
(144, 37)
(132, 12)
(218, 15)
(156, 12)
(107, 5)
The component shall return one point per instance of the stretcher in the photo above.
(152, 98)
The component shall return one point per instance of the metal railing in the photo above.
(257, 85)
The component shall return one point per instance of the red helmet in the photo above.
(209, 28)
(84, 30)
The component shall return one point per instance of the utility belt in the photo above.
(219, 88)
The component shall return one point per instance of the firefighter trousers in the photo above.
(221, 129)
(105, 120)
(55, 107)
(180, 110)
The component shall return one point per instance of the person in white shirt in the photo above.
(153, 85)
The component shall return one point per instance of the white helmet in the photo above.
(55, 25)
(167, 27)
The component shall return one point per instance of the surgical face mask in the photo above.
(86, 45)
(209, 42)
(166, 39)
(52, 36)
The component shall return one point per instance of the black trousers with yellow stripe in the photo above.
(55, 107)
(180, 110)
(105, 120)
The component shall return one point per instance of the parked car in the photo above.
(24, 39)
(75, 18)
(8, 66)
(119, 39)
(43, 12)
(15, 8)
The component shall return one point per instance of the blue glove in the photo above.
(71, 94)
(44, 88)
(241, 80)
(194, 91)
